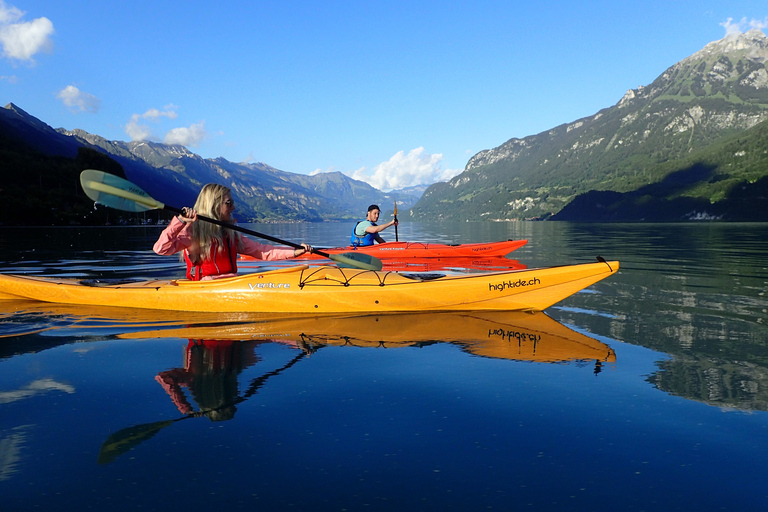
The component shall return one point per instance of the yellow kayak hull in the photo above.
(324, 289)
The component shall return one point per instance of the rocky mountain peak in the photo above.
(733, 68)
(12, 111)
(753, 44)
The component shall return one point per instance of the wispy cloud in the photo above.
(136, 130)
(192, 135)
(741, 26)
(168, 111)
(78, 101)
(20, 40)
(405, 170)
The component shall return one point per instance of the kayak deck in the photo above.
(324, 289)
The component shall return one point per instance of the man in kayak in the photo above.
(366, 232)
(211, 250)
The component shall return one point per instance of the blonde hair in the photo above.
(204, 234)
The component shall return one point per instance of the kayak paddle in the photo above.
(397, 239)
(115, 192)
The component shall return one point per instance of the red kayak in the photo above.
(404, 251)
(490, 264)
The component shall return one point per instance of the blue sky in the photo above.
(394, 93)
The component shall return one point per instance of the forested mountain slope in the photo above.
(688, 134)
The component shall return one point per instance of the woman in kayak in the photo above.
(366, 232)
(211, 250)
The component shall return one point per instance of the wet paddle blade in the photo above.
(357, 260)
(115, 192)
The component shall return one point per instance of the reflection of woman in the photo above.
(210, 373)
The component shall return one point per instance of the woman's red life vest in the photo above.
(219, 262)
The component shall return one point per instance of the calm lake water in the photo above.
(646, 392)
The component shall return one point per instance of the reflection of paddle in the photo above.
(121, 194)
(127, 438)
(397, 239)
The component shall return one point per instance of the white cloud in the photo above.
(137, 130)
(191, 136)
(400, 171)
(22, 40)
(743, 25)
(77, 100)
(11, 79)
(9, 14)
(153, 113)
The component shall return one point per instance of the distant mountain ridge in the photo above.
(263, 192)
(173, 174)
(719, 92)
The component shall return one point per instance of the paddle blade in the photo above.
(115, 192)
(357, 260)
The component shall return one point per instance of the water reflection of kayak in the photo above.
(506, 335)
(323, 289)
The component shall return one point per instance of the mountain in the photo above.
(691, 145)
(262, 193)
(169, 173)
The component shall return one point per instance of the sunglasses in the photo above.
(229, 202)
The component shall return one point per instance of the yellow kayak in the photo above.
(323, 289)
(509, 335)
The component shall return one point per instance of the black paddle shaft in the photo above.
(247, 231)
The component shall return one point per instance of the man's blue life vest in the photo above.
(358, 241)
